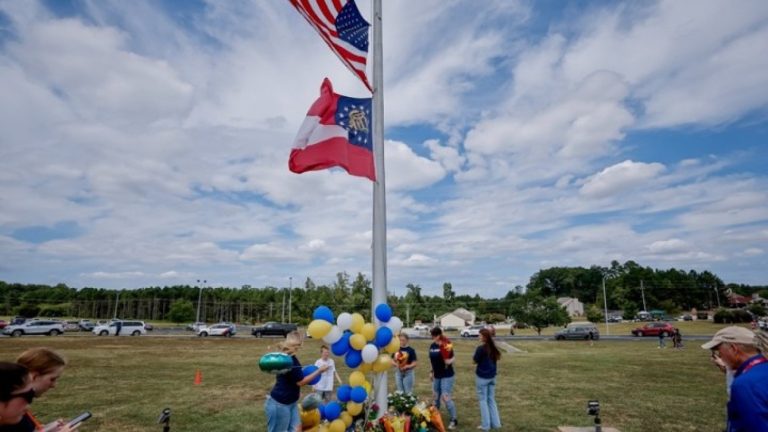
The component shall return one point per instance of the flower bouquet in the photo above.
(401, 402)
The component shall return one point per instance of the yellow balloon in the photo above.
(354, 408)
(312, 429)
(357, 323)
(319, 328)
(365, 367)
(393, 346)
(346, 418)
(322, 428)
(310, 418)
(382, 363)
(357, 341)
(368, 387)
(369, 331)
(356, 378)
(337, 426)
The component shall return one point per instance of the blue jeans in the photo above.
(443, 389)
(281, 417)
(404, 380)
(486, 395)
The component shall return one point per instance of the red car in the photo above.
(3, 324)
(654, 329)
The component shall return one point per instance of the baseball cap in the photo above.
(732, 334)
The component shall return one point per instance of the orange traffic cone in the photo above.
(198, 377)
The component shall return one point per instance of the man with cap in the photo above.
(748, 404)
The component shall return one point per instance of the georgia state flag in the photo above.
(336, 132)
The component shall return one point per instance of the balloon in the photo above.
(354, 408)
(369, 331)
(383, 336)
(396, 324)
(341, 346)
(309, 418)
(311, 401)
(353, 358)
(318, 328)
(324, 428)
(332, 410)
(370, 353)
(368, 387)
(333, 336)
(357, 341)
(365, 367)
(323, 313)
(337, 426)
(308, 370)
(383, 312)
(356, 378)
(346, 418)
(321, 408)
(343, 393)
(382, 363)
(275, 363)
(394, 345)
(357, 323)
(344, 320)
(358, 394)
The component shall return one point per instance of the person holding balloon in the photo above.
(443, 377)
(405, 361)
(324, 388)
(282, 403)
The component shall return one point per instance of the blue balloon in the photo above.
(324, 313)
(383, 336)
(383, 312)
(358, 394)
(308, 370)
(332, 411)
(343, 393)
(321, 408)
(342, 345)
(353, 358)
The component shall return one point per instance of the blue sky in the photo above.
(146, 142)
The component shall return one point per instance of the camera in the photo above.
(593, 408)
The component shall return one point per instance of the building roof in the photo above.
(461, 313)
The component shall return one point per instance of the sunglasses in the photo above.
(28, 395)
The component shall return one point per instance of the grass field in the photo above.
(126, 382)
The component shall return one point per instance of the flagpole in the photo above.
(379, 192)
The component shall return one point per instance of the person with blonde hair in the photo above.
(282, 403)
(45, 367)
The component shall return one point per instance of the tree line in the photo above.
(629, 287)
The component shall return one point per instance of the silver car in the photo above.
(35, 327)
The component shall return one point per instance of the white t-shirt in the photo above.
(326, 378)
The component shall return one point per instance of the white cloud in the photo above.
(620, 178)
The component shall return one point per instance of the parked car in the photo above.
(614, 319)
(17, 320)
(471, 331)
(421, 327)
(654, 329)
(127, 328)
(148, 327)
(71, 326)
(195, 326)
(3, 323)
(86, 325)
(221, 329)
(273, 329)
(577, 333)
(35, 327)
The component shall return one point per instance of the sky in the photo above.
(146, 143)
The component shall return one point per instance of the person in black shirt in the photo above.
(282, 403)
(405, 361)
(486, 356)
(16, 393)
(441, 356)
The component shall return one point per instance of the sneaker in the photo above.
(453, 424)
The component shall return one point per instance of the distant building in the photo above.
(572, 305)
(457, 319)
(735, 300)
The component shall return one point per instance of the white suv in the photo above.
(35, 327)
(127, 328)
(222, 329)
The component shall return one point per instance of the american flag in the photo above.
(342, 27)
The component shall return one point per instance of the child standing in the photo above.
(405, 360)
(324, 388)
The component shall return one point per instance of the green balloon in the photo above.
(275, 363)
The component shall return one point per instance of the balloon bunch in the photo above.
(365, 348)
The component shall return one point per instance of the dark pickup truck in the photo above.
(273, 329)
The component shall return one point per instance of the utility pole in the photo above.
(290, 296)
(199, 299)
(282, 317)
(642, 291)
(117, 299)
(605, 303)
(718, 297)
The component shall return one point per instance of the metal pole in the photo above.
(199, 297)
(605, 303)
(718, 297)
(117, 300)
(290, 296)
(642, 291)
(282, 317)
(379, 191)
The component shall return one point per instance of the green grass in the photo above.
(126, 382)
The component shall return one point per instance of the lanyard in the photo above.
(752, 363)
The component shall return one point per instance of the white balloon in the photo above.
(334, 335)
(370, 353)
(344, 320)
(395, 324)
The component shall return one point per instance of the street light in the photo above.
(199, 298)
(605, 304)
(290, 296)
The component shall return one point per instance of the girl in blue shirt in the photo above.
(486, 356)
